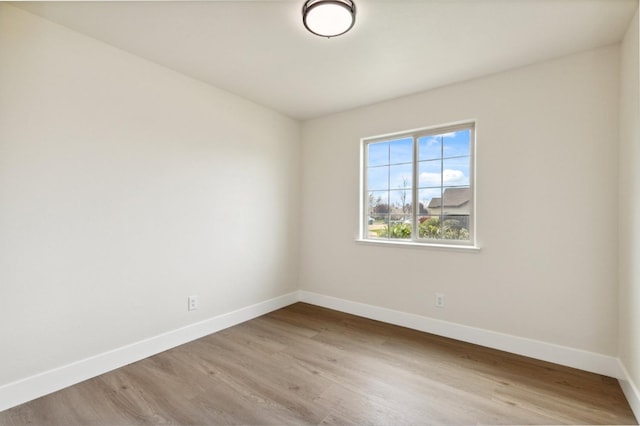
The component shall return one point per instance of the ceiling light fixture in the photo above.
(329, 18)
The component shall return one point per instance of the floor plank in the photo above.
(308, 365)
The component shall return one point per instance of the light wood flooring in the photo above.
(308, 365)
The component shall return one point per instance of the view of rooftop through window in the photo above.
(433, 169)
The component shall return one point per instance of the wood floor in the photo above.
(308, 365)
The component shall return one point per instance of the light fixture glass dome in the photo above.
(329, 18)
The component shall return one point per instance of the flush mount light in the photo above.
(329, 18)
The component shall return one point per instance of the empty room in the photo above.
(320, 212)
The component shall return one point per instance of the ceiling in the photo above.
(261, 51)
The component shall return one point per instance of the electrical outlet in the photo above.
(193, 303)
(439, 300)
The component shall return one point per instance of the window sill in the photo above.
(411, 244)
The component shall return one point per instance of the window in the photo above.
(418, 186)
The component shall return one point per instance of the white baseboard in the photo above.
(576, 358)
(33, 387)
(630, 390)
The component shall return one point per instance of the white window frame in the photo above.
(415, 135)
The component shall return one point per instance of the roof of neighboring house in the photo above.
(453, 197)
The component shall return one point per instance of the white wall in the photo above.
(546, 214)
(629, 207)
(124, 188)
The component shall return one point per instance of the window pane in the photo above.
(456, 171)
(378, 154)
(401, 151)
(377, 214)
(400, 204)
(456, 201)
(400, 229)
(455, 227)
(377, 226)
(429, 148)
(429, 216)
(430, 173)
(401, 176)
(431, 201)
(378, 203)
(456, 143)
(378, 178)
(429, 227)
